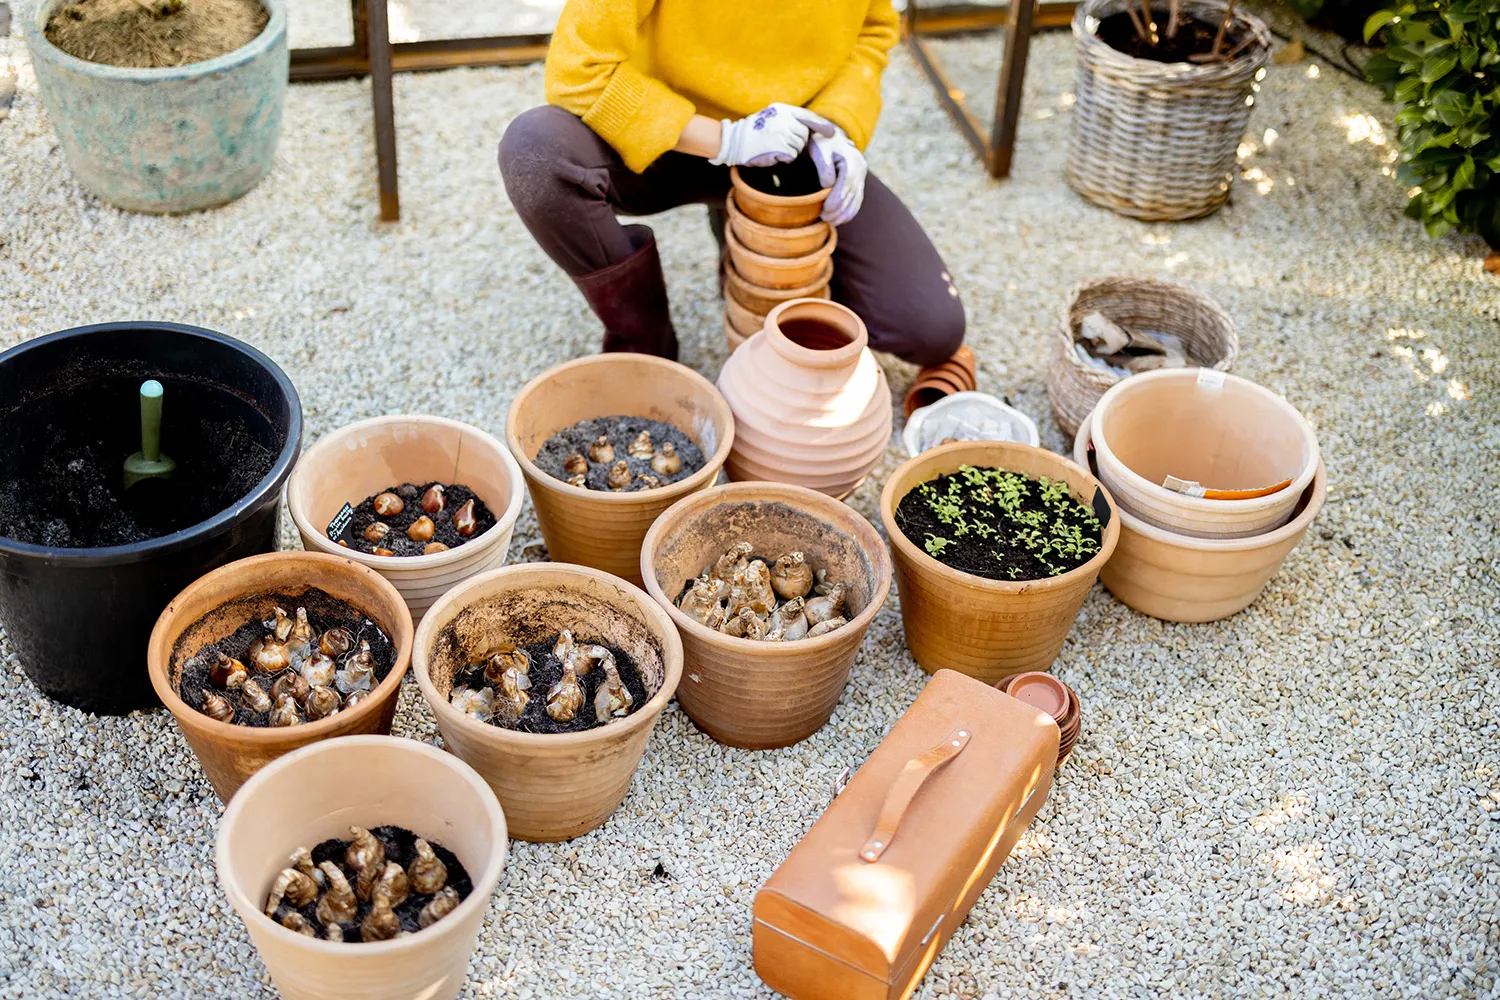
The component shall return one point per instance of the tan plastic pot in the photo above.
(780, 272)
(317, 793)
(594, 527)
(1205, 426)
(776, 210)
(762, 300)
(216, 605)
(744, 692)
(776, 241)
(1184, 579)
(355, 461)
(989, 629)
(554, 786)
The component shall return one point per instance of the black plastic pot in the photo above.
(79, 618)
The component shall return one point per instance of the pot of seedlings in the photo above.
(784, 195)
(548, 679)
(607, 443)
(277, 651)
(996, 545)
(426, 502)
(166, 106)
(141, 456)
(772, 588)
(363, 867)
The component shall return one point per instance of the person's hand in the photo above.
(841, 166)
(773, 135)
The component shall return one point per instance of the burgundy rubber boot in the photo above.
(631, 299)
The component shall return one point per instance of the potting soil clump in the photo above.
(297, 666)
(753, 598)
(379, 884)
(1000, 525)
(411, 520)
(620, 454)
(787, 180)
(560, 686)
(149, 34)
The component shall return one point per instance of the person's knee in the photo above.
(934, 330)
(533, 150)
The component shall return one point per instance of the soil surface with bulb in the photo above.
(397, 540)
(546, 669)
(788, 180)
(1194, 37)
(621, 431)
(324, 611)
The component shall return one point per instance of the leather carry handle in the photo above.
(905, 788)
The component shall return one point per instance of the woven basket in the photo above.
(1153, 140)
(1143, 304)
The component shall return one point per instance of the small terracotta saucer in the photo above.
(1040, 690)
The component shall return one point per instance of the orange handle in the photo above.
(905, 788)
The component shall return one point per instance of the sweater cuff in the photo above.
(639, 116)
(845, 118)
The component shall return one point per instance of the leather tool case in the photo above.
(867, 900)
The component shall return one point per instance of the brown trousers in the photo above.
(568, 185)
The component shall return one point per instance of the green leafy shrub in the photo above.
(1442, 65)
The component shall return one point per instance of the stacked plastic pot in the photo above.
(1216, 480)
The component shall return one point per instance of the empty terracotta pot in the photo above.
(214, 606)
(315, 794)
(780, 272)
(745, 692)
(810, 402)
(1180, 578)
(594, 527)
(776, 241)
(554, 786)
(957, 374)
(989, 629)
(362, 458)
(776, 210)
(1205, 426)
(762, 300)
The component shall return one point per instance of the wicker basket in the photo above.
(1143, 304)
(1153, 140)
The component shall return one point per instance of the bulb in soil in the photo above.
(338, 905)
(227, 672)
(394, 887)
(381, 550)
(563, 647)
(826, 606)
(475, 704)
(442, 904)
(255, 697)
(645, 482)
(300, 642)
(581, 481)
(269, 655)
(322, 702)
(284, 712)
(791, 576)
(566, 696)
(291, 683)
(716, 618)
(380, 924)
(294, 921)
(217, 707)
(434, 500)
(619, 476)
(319, 670)
(575, 464)
(293, 886)
(364, 850)
(376, 531)
(601, 451)
(333, 932)
(666, 462)
(421, 530)
(790, 620)
(408, 491)
(432, 548)
(464, 521)
(280, 625)
(583, 658)
(699, 600)
(745, 624)
(358, 673)
(509, 657)
(824, 627)
(641, 447)
(734, 560)
(336, 642)
(355, 698)
(364, 883)
(751, 588)
(775, 635)
(613, 698)
(389, 505)
(427, 873)
(821, 586)
(301, 859)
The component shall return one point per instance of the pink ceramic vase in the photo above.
(810, 402)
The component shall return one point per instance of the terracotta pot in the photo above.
(594, 527)
(733, 337)
(554, 786)
(362, 458)
(989, 629)
(817, 416)
(779, 272)
(317, 793)
(1179, 578)
(745, 692)
(776, 241)
(1202, 425)
(744, 322)
(762, 300)
(214, 606)
(776, 210)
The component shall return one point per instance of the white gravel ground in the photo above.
(1301, 801)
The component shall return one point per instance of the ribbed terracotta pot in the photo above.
(594, 527)
(776, 241)
(773, 209)
(745, 692)
(554, 786)
(812, 411)
(1179, 578)
(362, 458)
(780, 272)
(214, 606)
(317, 793)
(762, 300)
(989, 629)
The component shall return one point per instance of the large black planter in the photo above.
(79, 618)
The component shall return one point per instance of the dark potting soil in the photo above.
(1000, 525)
(400, 847)
(621, 430)
(544, 672)
(64, 484)
(324, 611)
(789, 180)
(1194, 37)
(396, 540)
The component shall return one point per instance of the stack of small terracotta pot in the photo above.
(1043, 691)
(778, 250)
(932, 384)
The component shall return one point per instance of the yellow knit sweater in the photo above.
(636, 70)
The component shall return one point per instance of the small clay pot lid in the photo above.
(1040, 690)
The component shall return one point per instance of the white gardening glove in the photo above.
(841, 166)
(773, 135)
